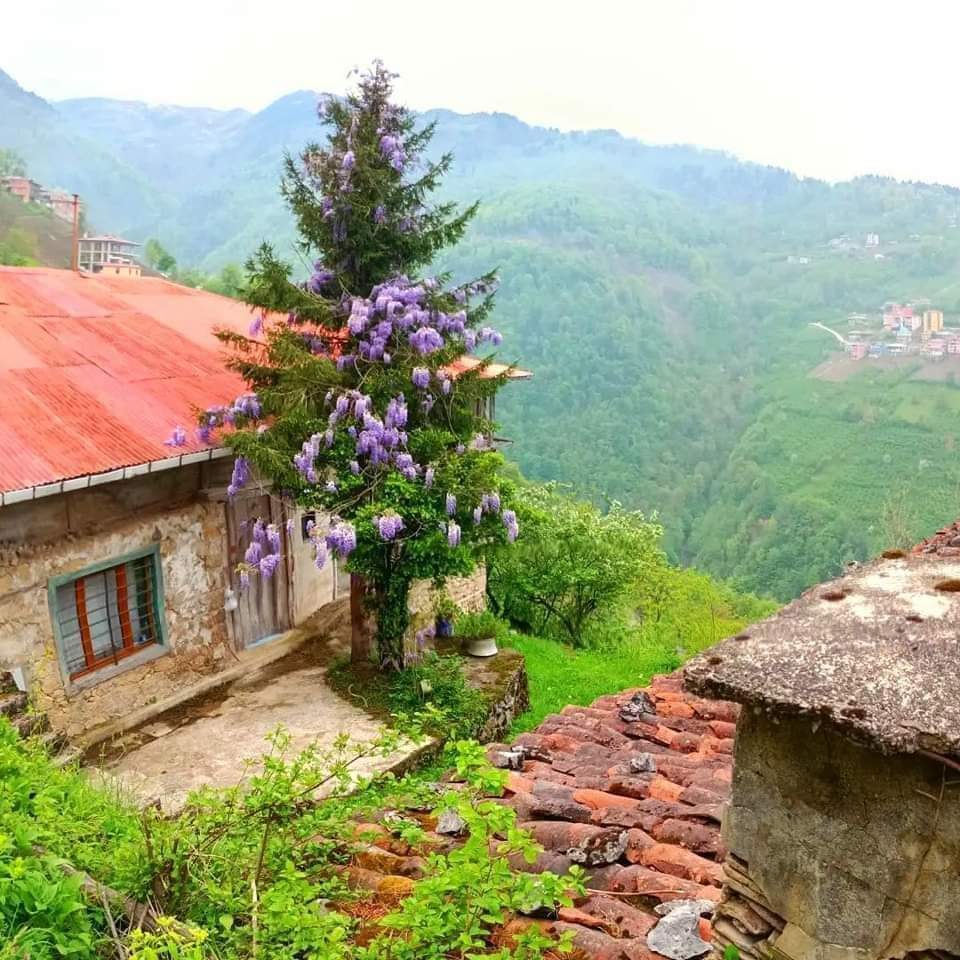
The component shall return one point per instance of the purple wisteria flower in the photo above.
(240, 476)
(244, 580)
(205, 433)
(420, 378)
(247, 405)
(273, 537)
(428, 477)
(320, 555)
(451, 504)
(355, 468)
(256, 325)
(253, 553)
(488, 333)
(404, 463)
(396, 413)
(477, 514)
(269, 564)
(349, 161)
(425, 340)
(453, 533)
(379, 214)
(388, 525)
(490, 502)
(510, 522)
(445, 386)
(178, 438)
(342, 538)
(291, 523)
(319, 278)
(330, 486)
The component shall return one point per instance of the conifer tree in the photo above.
(359, 404)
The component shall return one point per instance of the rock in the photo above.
(643, 763)
(638, 705)
(507, 759)
(450, 823)
(703, 907)
(677, 935)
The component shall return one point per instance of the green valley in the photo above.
(663, 295)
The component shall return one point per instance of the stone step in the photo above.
(12, 704)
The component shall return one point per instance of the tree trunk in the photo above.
(362, 621)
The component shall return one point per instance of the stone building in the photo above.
(118, 589)
(844, 825)
(119, 593)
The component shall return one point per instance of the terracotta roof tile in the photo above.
(631, 787)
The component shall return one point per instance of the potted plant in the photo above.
(479, 633)
(446, 612)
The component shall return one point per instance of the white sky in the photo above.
(830, 88)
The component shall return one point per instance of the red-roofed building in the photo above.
(118, 553)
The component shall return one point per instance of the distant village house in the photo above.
(59, 202)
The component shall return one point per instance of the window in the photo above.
(107, 615)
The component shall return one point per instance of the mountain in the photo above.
(663, 295)
(58, 156)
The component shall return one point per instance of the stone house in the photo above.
(118, 592)
(843, 829)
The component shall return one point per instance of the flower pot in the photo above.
(480, 646)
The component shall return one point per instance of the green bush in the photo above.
(477, 625)
(439, 681)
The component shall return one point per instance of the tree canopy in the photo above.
(358, 407)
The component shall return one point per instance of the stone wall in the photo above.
(468, 593)
(312, 588)
(60, 535)
(855, 855)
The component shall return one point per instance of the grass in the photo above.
(560, 675)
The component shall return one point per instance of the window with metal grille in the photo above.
(109, 614)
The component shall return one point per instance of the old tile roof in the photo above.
(875, 652)
(95, 371)
(632, 789)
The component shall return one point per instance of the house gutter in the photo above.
(111, 476)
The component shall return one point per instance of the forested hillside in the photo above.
(662, 295)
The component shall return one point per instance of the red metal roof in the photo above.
(491, 371)
(95, 371)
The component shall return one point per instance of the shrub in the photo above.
(572, 574)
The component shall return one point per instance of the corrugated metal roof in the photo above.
(96, 371)
(468, 363)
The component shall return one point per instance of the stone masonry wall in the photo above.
(60, 535)
(469, 593)
(857, 852)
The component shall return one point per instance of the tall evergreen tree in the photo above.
(359, 404)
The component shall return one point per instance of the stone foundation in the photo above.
(837, 851)
(503, 681)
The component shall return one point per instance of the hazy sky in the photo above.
(830, 89)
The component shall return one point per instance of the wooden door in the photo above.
(263, 609)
